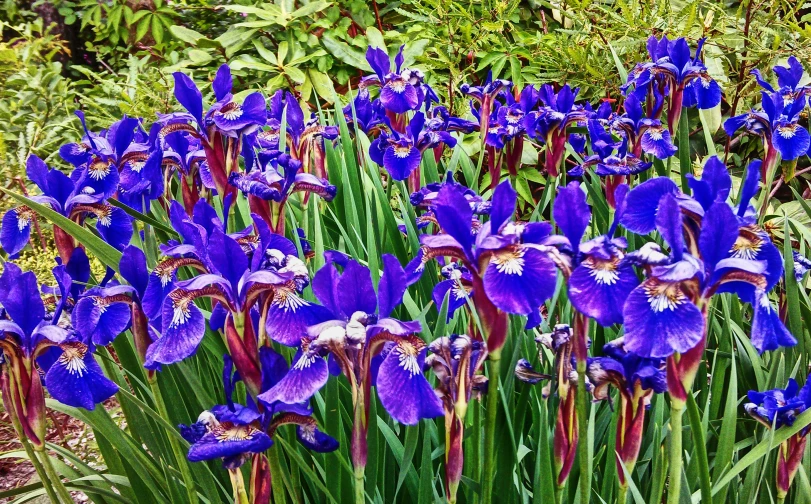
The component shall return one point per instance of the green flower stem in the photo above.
(623, 494)
(177, 450)
(582, 406)
(53, 477)
(360, 493)
(489, 470)
(32, 456)
(674, 489)
(238, 484)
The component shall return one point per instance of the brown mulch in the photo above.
(63, 430)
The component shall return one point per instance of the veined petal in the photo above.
(16, 230)
(791, 139)
(768, 331)
(306, 376)
(313, 439)
(660, 320)
(398, 96)
(183, 330)
(401, 386)
(289, 316)
(115, 226)
(100, 318)
(519, 279)
(400, 159)
(598, 288)
(656, 140)
(227, 439)
(76, 379)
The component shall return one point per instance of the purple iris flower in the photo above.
(605, 160)
(232, 431)
(28, 332)
(642, 133)
(400, 91)
(400, 153)
(550, 123)
(513, 265)
(64, 196)
(305, 138)
(231, 272)
(676, 74)
(278, 177)
(788, 82)
(637, 379)
(778, 126)
(712, 249)
(368, 113)
(356, 326)
(600, 280)
(777, 408)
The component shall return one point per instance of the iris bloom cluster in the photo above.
(777, 408)
(777, 123)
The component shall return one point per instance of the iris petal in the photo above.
(660, 320)
(401, 386)
(519, 280)
(76, 379)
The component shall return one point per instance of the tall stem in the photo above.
(582, 437)
(674, 489)
(488, 470)
(623, 494)
(32, 456)
(360, 493)
(238, 484)
(177, 450)
(581, 329)
(53, 478)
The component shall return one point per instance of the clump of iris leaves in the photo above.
(385, 302)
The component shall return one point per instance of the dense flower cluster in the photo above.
(218, 179)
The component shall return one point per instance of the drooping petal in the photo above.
(101, 318)
(307, 375)
(401, 386)
(289, 316)
(768, 331)
(400, 159)
(519, 279)
(660, 320)
(76, 379)
(315, 440)
(16, 229)
(791, 140)
(227, 440)
(656, 140)
(599, 288)
(115, 226)
(183, 330)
